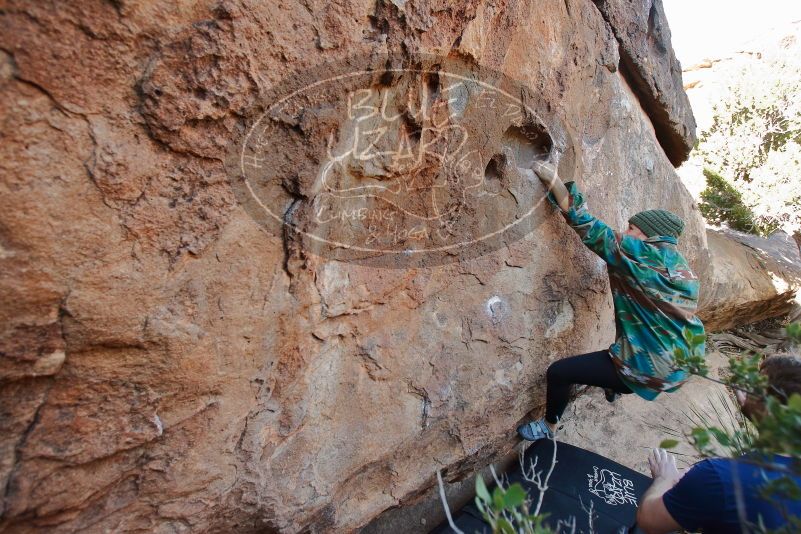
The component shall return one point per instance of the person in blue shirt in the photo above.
(722, 495)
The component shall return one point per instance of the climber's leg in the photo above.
(593, 369)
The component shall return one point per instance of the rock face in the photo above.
(651, 66)
(167, 365)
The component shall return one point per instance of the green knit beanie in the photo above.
(658, 222)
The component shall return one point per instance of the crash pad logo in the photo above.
(420, 163)
(611, 487)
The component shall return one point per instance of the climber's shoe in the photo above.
(535, 430)
(611, 394)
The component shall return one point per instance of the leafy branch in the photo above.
(775, 430)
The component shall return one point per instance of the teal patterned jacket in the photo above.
(655, 296)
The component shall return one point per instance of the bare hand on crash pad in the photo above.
(548, 176)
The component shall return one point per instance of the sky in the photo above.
(711, 28)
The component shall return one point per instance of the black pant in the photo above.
(592, 369)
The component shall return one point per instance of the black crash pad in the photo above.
(579, 477)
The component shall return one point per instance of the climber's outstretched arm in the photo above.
(596, 234)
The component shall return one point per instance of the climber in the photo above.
(655, 295)
(725, 494)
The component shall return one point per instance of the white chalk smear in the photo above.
(495, 308)
(495, 299)
(157, 422)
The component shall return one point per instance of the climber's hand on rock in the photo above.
(547, 174)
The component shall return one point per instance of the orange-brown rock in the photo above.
(169, 364)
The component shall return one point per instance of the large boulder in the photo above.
(168, 363)
(750, 278)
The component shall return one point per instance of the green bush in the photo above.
(721, 203)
